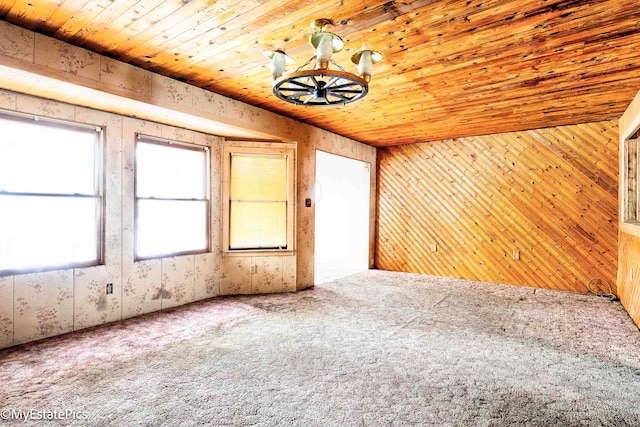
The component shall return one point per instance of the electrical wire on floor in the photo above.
(598, 292)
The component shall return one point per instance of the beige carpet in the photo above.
(373, 349)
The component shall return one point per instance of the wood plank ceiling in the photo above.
(451, 68)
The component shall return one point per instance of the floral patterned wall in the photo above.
(34, 306)
(39, 305)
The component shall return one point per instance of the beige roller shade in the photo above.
(258, 201)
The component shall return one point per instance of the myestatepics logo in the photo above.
(42, 414)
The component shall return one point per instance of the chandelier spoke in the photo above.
(344, 86)
(354, 91)
(299, 94)
(308, 100)
(293, 89)
(296, 96)
(341, 96)
(301, 84)
(332, 82)
(318, 84)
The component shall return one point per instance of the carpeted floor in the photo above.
(373, 349)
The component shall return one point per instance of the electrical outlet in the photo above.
(254, 269)
(109, 288)
(516, 253)
(434, 247)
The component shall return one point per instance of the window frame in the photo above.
(148, 139)
(631, 180)
(258, 149)
(99, 182)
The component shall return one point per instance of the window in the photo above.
(258, 210)
(258, 201)
(172, 198)
(51, 200)
(631, 189)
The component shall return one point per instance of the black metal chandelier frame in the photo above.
(320, 87)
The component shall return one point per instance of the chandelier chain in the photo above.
(337, 65)
(314, 58)
(300, 68)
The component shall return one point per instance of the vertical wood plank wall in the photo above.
(549, 196)
(629, 247)
(628, 289)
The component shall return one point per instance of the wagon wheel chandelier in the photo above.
(314, 83)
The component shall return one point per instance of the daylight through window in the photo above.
(258, 202)
(172, 198)
(258, 192)
(631, 182)
(50, 194)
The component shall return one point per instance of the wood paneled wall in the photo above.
(547, 197)
(629, 248)
(628, 289)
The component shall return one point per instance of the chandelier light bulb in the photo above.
(365, 65)
(279, 61)
(324, 50)
(278, 65)
(365, 60)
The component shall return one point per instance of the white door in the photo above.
(342, 216)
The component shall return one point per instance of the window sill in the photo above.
(630, 228)
(256, 253)
(171, 255)
(48, 269)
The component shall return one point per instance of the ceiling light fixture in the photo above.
(314, 83)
